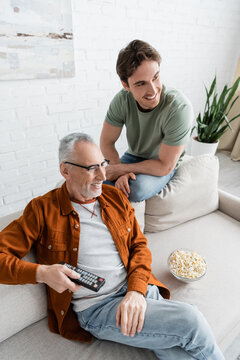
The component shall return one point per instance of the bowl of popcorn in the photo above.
(187, 265)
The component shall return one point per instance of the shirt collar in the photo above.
(65, 202)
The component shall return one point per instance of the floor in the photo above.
(229, 180)
(229, 174)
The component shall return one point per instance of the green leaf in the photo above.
(235, 117)
(192, 130)
(232, 105)
(213, 86)
(232, 92)
(214, 121)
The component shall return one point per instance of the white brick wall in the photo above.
(196, 39)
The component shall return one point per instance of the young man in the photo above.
(158, 122)
(93, 226)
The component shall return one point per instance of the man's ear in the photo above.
(125, 85)
(64, 170)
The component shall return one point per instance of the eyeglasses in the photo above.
(92, 168)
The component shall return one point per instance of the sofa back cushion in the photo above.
(21, 305)
(191, 193)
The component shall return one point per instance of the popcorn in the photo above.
(187, 264)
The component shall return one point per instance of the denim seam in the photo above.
(142, 334)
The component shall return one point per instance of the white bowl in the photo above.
(185, 278)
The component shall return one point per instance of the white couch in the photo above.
(189, 213)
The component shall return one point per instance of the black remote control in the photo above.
(87, 279)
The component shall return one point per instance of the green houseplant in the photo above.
(214, 121)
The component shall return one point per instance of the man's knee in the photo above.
(146, 186)
(191, 317)
(137, 191)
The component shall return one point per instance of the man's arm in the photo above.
(108, 138)
(131, 310)
(16, 241)
(168, 158)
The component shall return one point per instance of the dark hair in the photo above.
(130, 57)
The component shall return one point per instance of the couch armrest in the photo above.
(5, 220)
(229, 204)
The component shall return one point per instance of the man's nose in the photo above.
(151, 88)
(101, 173)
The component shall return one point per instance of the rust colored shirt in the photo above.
(50, 223)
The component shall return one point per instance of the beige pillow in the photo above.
(191, 193)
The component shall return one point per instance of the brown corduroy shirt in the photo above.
(50, 223)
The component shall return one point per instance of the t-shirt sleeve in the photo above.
(116, 113)
(178, 127)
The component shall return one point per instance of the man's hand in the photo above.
(122, 183)
(56, 277)
(114, 171)
(131, 313)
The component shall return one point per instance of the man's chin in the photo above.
(150, 105)
(96, 193)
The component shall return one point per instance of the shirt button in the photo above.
(62, 312)
(49, 247)
(69, 291)
(129, 229)
(76, 226)
(74, 212)
(74, 249)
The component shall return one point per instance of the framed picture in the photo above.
(36, 39)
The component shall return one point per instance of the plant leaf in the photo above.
(231, 93)
(213, 86)
(210, 125)
(232, 104)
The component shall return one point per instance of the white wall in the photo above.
(196, 39)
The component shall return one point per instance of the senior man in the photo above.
(92, 226)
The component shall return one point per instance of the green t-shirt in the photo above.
(169, 123)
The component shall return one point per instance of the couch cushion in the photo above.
(216, 238)
(38, 343)
(191, 193)
(139, 208)
(32, 307)
(21, 305)
(5, 220)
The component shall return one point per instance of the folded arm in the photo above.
(164, 165)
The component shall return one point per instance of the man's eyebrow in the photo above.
(143, 81)
(139, 82)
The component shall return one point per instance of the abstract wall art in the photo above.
(36, 39)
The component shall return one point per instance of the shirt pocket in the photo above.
(125, 234)
(52, 248)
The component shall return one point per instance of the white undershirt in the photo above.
(97, 254)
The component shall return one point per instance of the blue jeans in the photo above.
(173, 330)
(145, 186)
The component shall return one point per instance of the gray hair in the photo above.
(67, 144)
